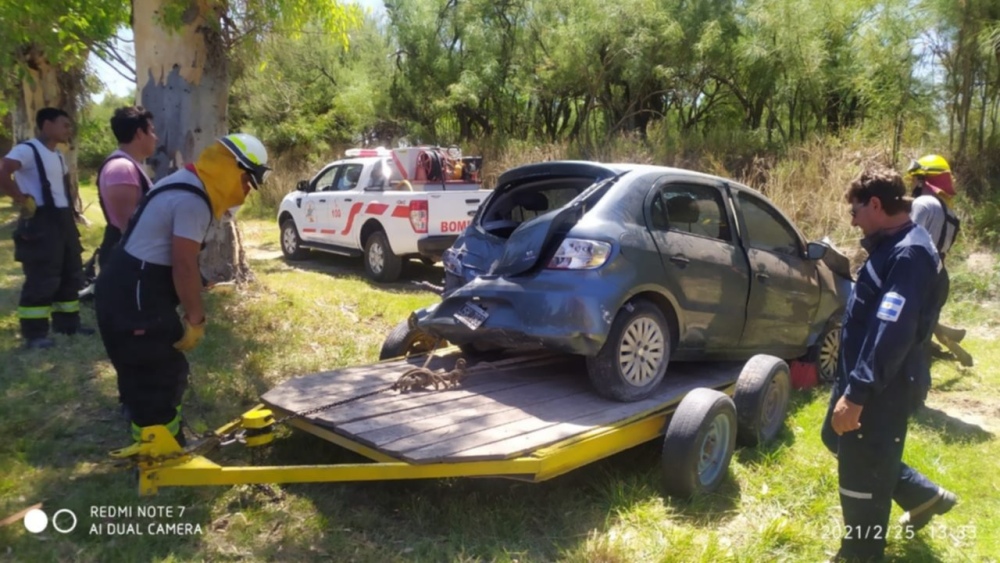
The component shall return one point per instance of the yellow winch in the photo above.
(258, 425)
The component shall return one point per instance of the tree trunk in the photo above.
(183, 78)
(45, 85)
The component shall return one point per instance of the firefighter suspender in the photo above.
(47, 199)
(153, 193)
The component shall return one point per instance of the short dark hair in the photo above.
(882, 182)
(48, 114)
(129, 119)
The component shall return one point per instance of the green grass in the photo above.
(58, 420)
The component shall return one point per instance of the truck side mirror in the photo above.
(816, 250)
(302, 186)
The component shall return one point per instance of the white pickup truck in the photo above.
(386, 205)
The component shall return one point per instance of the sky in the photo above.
(119, 86)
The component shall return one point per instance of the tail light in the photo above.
(580, 254)
(419, 215)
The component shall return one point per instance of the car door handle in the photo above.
(680, 260)
(762, 276)
(348, 199)
(322, 201)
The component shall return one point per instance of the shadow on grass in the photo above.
(414, 272)
(951, 429)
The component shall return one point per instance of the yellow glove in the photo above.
(28, 207)
(192, 336)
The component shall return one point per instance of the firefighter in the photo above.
(155, 268)
(932, 191)
(46, 239)
(121, 180)
(883, 373)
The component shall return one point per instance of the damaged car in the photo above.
(632, 267)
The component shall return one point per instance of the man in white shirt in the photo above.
(933, 191)
(46, 240)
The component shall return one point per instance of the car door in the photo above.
(705, 269)
(784, 285)
(316, 205)
(345, 205)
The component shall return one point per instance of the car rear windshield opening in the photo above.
(527, 201)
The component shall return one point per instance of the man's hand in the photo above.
(28, 207)
(193, 333)
(846, 416)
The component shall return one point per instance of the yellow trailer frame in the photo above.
(163, 463)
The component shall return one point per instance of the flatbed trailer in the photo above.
(529, 418)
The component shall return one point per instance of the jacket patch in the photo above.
(891, 307)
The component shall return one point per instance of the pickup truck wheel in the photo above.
(699, 443)
(634, 358)
(381, 264)
(404, 341)
(761, 398)
(826, 351)
(291, 244)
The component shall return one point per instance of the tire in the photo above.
(825, 353)
(761, 398)
(381, 265)
(404, 341)
(622, 375)
(291, 244)
(699, 443)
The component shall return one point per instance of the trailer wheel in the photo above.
(291, 244)
(634, 358)
(762, 393)
(404, 341)
(699, 443)
(826, 351)
(381, 264)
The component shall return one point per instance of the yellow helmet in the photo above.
(929, 165)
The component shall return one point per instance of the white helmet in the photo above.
(250, 155)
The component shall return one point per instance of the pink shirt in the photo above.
(121, 188)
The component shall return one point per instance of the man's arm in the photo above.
(121, 201)
(7, 168)
(187, 278)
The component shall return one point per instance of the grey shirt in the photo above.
(173, 213)
(928, 212)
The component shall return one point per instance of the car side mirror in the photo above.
(816, 250)
(302, 186)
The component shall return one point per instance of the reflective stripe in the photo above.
(33, 312)
(871, 272)
(136, 432)
(66, 307)
(855, 494)
(174, 426)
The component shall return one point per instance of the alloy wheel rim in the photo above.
(289, 240)
(828, 351)
(376, 258)
(641, 351)
(713, 449)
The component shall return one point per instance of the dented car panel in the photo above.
(728, 270)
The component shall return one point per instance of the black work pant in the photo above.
(112, 236)
(48, 248)
(871, 471)
(136, 314)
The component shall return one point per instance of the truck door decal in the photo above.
(376, 208)
(401, 212)
(355, 209)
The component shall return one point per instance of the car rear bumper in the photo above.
(538, 314)
(434, 247)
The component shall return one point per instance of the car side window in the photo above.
(766, 228)
(348, 180)
(324, 182)
(691, 208)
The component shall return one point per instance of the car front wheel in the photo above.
(291, 244)
(634, 358)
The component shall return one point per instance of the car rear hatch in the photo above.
(528, 212)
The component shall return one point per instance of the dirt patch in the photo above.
(967, 410)
(981, 263)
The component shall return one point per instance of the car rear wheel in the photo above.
(404, 341)
(761, 398)
(634, 358)
(381, 264)
(291, 244)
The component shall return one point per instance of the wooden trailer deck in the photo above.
(499, 412)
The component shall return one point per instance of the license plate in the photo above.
(471, 315)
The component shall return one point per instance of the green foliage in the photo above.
(94, 138)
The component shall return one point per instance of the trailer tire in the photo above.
(381, 264)
(699, 443)
(291, 243)
(634, 358)
(762, 393)
(404, 341)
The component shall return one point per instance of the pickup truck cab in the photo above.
(385, 205)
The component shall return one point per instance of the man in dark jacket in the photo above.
(883, 372)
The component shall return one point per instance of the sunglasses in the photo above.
(855, 208)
